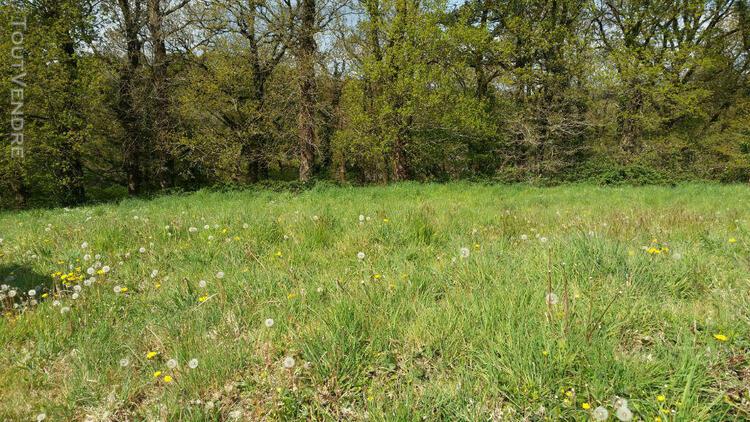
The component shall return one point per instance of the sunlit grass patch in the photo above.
(453, 302)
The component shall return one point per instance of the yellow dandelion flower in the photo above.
(202, 299)
(123, 289)
(545, 353)
(157, 374)
(385, 220)
(586, 406)
(721, 337)
(151, 355)
(279, 254)
(661, 398)
(732, 240)
(167, 378)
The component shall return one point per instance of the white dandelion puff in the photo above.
(124, 362)
(193, 229)
(600, 414)
(40, 417)
(172, 363)
(465, 252)
(552, 299)
(32, 293)
(360, 255)
(106, 269)
(142, 250)
(64, 310)
(84, 245)
(154, 273)
(193, 363)
(620, 402)
(202, 284)
(288, 362)
(269, 323)
(117, 289)
(220, 274)
(624, 414)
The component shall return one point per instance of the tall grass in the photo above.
(414, 330)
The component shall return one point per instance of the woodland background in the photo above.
(137, 97)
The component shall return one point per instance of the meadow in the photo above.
(405, 302)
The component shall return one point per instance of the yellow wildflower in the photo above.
(732, 240)
(586, 406)
(151, 355)
(721, 337)
(157, 374)
(167, 378)
(660, 398)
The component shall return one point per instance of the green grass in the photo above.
(413, 331)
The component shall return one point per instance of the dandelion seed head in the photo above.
(624, 414)
(288, 362)
(172, 363)
(124, 362)
(269, 323)
(40, 417)
(600, 414)
(465, 252)
(193, 363)
(220, 274)
(360, 255)
(202, 284)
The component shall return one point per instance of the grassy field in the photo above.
(407, 302)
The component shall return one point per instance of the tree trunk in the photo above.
(160, 83)
(127, 108)
(306, 67)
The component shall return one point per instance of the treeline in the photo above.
(140, 96)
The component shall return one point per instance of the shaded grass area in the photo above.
(647, 282)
